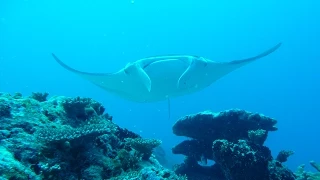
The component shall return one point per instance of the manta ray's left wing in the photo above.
(111, 82)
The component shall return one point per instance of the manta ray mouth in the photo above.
(158, 61)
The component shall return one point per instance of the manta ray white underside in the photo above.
(162, 77)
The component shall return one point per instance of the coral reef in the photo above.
(234, 140)
(143, 146)
(283, 155)
(71, 138)
(41, 97)
(301, 174)
(82, 108)
(74, 138)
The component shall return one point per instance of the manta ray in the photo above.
(161, 78)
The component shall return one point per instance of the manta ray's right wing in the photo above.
(86, 75)
(220, 69)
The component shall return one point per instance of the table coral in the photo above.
(234, 140)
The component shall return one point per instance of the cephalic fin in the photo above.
(136, 70)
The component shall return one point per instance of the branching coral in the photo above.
(5, 110)
(143, 146)
(128, 160)
(283, 155)
(301, 174)
(258, 136)
(41, 97)
(82, 108)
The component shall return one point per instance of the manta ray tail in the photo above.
(251, 59)
(169, 109)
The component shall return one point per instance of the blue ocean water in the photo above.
(104, 35)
